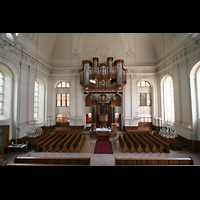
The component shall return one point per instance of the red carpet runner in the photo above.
(103, 146)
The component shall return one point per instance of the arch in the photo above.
(145, 79)
(60, 80)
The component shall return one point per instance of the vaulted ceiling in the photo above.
(69, 49)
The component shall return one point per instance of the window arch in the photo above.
(62, 84)
(1, 92)
(167, 91)
(144, 84)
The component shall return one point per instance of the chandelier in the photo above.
(167, 130)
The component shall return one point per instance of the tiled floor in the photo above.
(105, 159)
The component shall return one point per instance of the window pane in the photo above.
(63, 103)
(35, 115)
(63, 84)
(1, 81)
(148, 102)
(138, 84)
(58, 103)
(143, 102)
(1, 89)
(67, 84)
(58, 97)
(1, 105)
(148, 96)
(67, 97)
(59, 85)
(1, 76)
(63, 96)
(147, 84)
(67, 103)
(142, 95)
(1, 97)
(142, 83)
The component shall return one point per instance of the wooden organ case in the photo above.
(99, 80)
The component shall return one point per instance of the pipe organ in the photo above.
(103, 79)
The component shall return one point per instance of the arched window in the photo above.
(144, 84)
(1, 92)
(144, 95)
(36, 100)
(167, 91)
(62, 84)
(62, 96)
(39, 100)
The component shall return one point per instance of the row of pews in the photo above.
(58, 141)
(143, 141)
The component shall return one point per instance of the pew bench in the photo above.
(129, 144)
(52, 160)
(153, 161)
(136, 144)
(122, 144)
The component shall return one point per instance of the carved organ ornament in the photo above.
(108, 78)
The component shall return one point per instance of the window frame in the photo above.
(62, 100)
(146, 99)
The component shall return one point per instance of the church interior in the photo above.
(98, 99)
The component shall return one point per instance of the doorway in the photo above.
(88, 119)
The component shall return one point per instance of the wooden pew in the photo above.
(153, 161)
(67, 144)
(75, 142)
(33, 141)
(144, 145)
(158, 145)
(122, 144)
(151, 144)
(165, 145)
(52, 146)
(129, 144)
(39, 145)
(60, 144)
(45, 146)
(39, 165)
(53, 160)
(178, 143)
(136, 144)
(81, 143)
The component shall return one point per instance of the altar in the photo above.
(103, 131)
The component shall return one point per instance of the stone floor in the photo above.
(105, 159)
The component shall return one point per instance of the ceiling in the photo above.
(69, 49)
